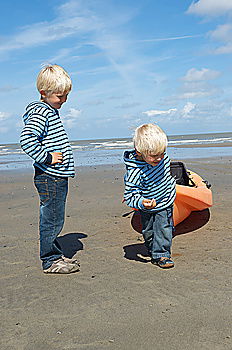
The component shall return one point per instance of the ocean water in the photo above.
(110, 151)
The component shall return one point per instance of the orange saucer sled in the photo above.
(195, 197)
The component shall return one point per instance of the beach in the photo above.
(118, 300)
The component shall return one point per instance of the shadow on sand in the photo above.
(138, 252)
(194, 221)
(71, 243)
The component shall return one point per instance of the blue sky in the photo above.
(131, 62)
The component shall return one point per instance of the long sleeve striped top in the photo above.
(143, 180)
(43, 134)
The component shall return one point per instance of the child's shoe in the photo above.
(164, 263)
(71, 261)
(63, 266)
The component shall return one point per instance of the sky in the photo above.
(131, 62)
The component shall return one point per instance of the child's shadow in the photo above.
(137, 252)
(71, 244)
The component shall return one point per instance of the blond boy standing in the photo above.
(150, 188)
(44, 139)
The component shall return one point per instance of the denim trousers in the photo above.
(52, 193)
(157, 230)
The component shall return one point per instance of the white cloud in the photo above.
(174, 115)
(71, 117)
(4, 116)
(73, 19)
(223, 33)
(45, 32)
(202, 74)
(154, 112)
(187, 109)
(60, 55)
(197, 83)
(195, 94)
(91, 23)
(226, 49)
(169, 38)
(210, 7)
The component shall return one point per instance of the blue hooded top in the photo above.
(44, 134)
(143, 180)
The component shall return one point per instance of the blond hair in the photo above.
(150, 139)
(53, 79)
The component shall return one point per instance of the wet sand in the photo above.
(118, 300)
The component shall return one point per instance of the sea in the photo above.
(110, 151)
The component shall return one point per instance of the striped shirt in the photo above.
(43, 134)
(144, 181)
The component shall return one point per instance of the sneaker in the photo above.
(164, 263)
(71, 261)
(62, 266)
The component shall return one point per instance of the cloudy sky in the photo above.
(131, 62)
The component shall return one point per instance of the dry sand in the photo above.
(118, 300)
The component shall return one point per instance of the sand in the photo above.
(118, 300)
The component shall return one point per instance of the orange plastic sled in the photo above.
(188, 199)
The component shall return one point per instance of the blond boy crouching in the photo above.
(150, 188)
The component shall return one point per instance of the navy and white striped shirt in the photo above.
(43, 134)
(143, 180)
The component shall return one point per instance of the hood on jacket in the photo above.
(131, 160)
(35, 106)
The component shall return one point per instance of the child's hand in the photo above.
(149, 203)
(57, 157)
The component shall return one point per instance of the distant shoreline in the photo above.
(188, 161)
(111, 153)
(226, 144)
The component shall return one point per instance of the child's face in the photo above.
(55, 100)
(152, 159)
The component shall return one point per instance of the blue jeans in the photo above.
(157, 229)
(52, 192)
